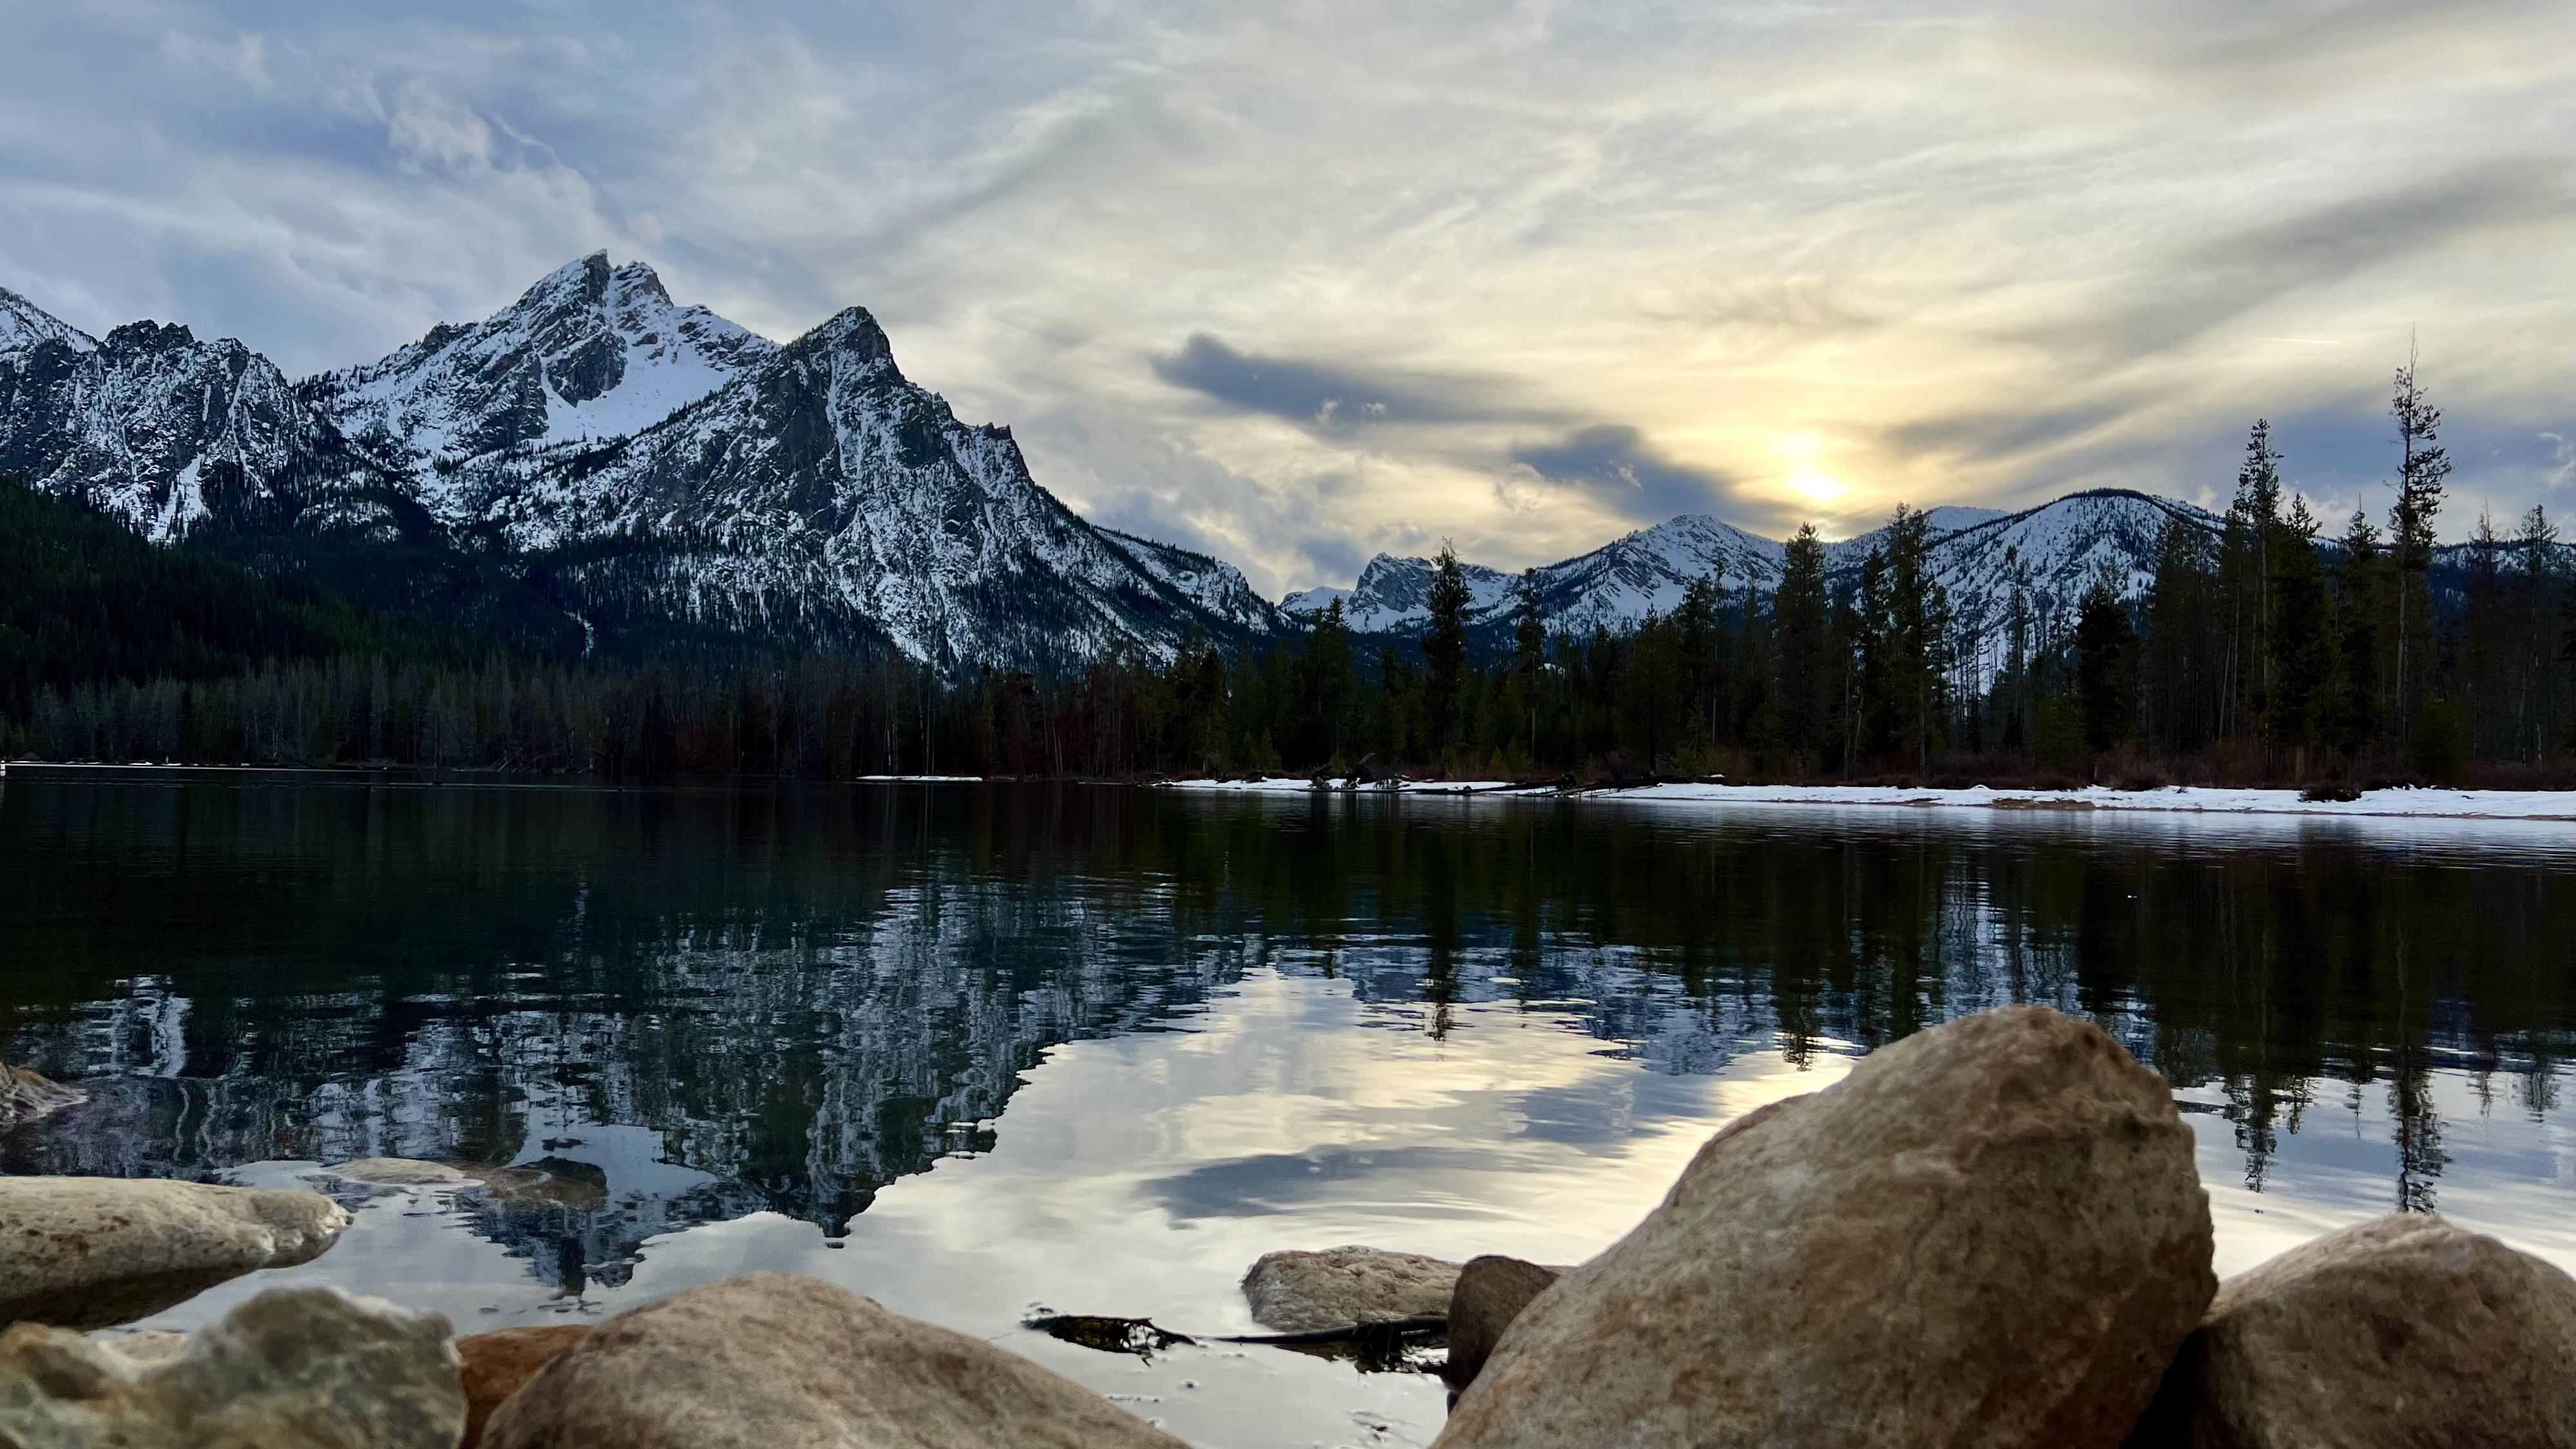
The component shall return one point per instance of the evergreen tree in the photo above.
(1801, 616)
(1444, 649)
(2360, 602)
(1905, 655)
(2302, 638)
(1330, 679)
(1529, 655)
(1702, 646)
(2185, 644)
(2106, 649)
(2422, 467)
(2246, 574)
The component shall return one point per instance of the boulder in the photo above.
(145, 1345)
(398, 1172)
(26, 1096)
(1296, 1292)
(2404, 1332)
(498, 1363)
(294, 1368)
(1990, 1234)
(91, 1252)
(1491, 1292)
(779, 1361)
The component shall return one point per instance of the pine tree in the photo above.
(2422, 467)
(2302, 638)
(1330, 677)
(1801, 616)
(2182, 684)
(1444, 649)
(2246, 573)
(2360, 602)
(1529, 652)
(2106, 652)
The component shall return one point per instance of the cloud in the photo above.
(1324, 397)
(1616, 463)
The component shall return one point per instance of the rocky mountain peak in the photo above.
(591, 352)
(24, 325)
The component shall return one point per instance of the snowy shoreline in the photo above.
(2171, 800)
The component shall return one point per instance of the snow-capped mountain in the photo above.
(1615, 585)
(23, 324)
(150, 426)
(597, 451)
(590, 353)
(2055, 550)
(820, 489)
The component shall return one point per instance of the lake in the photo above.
(977, 1050)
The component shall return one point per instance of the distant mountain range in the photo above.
(2063, 544)
(596, 464)
(640, 469)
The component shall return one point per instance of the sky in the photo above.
(1297, 283)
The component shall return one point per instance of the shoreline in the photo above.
(2440, 804)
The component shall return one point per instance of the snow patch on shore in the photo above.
(2177, 799)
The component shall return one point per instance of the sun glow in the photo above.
(1821, 487)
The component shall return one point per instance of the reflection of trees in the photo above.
(809, 995)
(2260, 968)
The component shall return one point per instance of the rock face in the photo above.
(1296, 1292)
(1990, 1234)
(498, 1364)
(91, 1252)
(296, 1368)
(2403, 1333)
(26, 1096)
(1491, 1292)
(778, 1361)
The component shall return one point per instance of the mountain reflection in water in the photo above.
(688, 1006)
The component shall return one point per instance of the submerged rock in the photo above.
(26, 1096)
(1491, 1292)
(92, 1252)
(2403, 1332)
(1299, 1292)
(1990, 1234)
(498, 1364)
(294, 1368)
(398, 1172)
(779, 1361)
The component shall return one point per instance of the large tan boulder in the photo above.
(294, 1368)
(1990, 1235)
(778, 1361)
(1491, 1292)
(1302, 1292)
(92, 1252)
(2401, 1333)
(498, 1364)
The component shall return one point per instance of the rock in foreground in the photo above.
(1991, 1234)
(778, 1361)
(294, 1368)
(2405, 1332)
(1298, 1292)
(500, 1363)
(92, 1252)
(1491, 1292)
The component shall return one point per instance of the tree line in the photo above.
(2262, 652)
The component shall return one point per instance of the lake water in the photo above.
(973, 1050)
